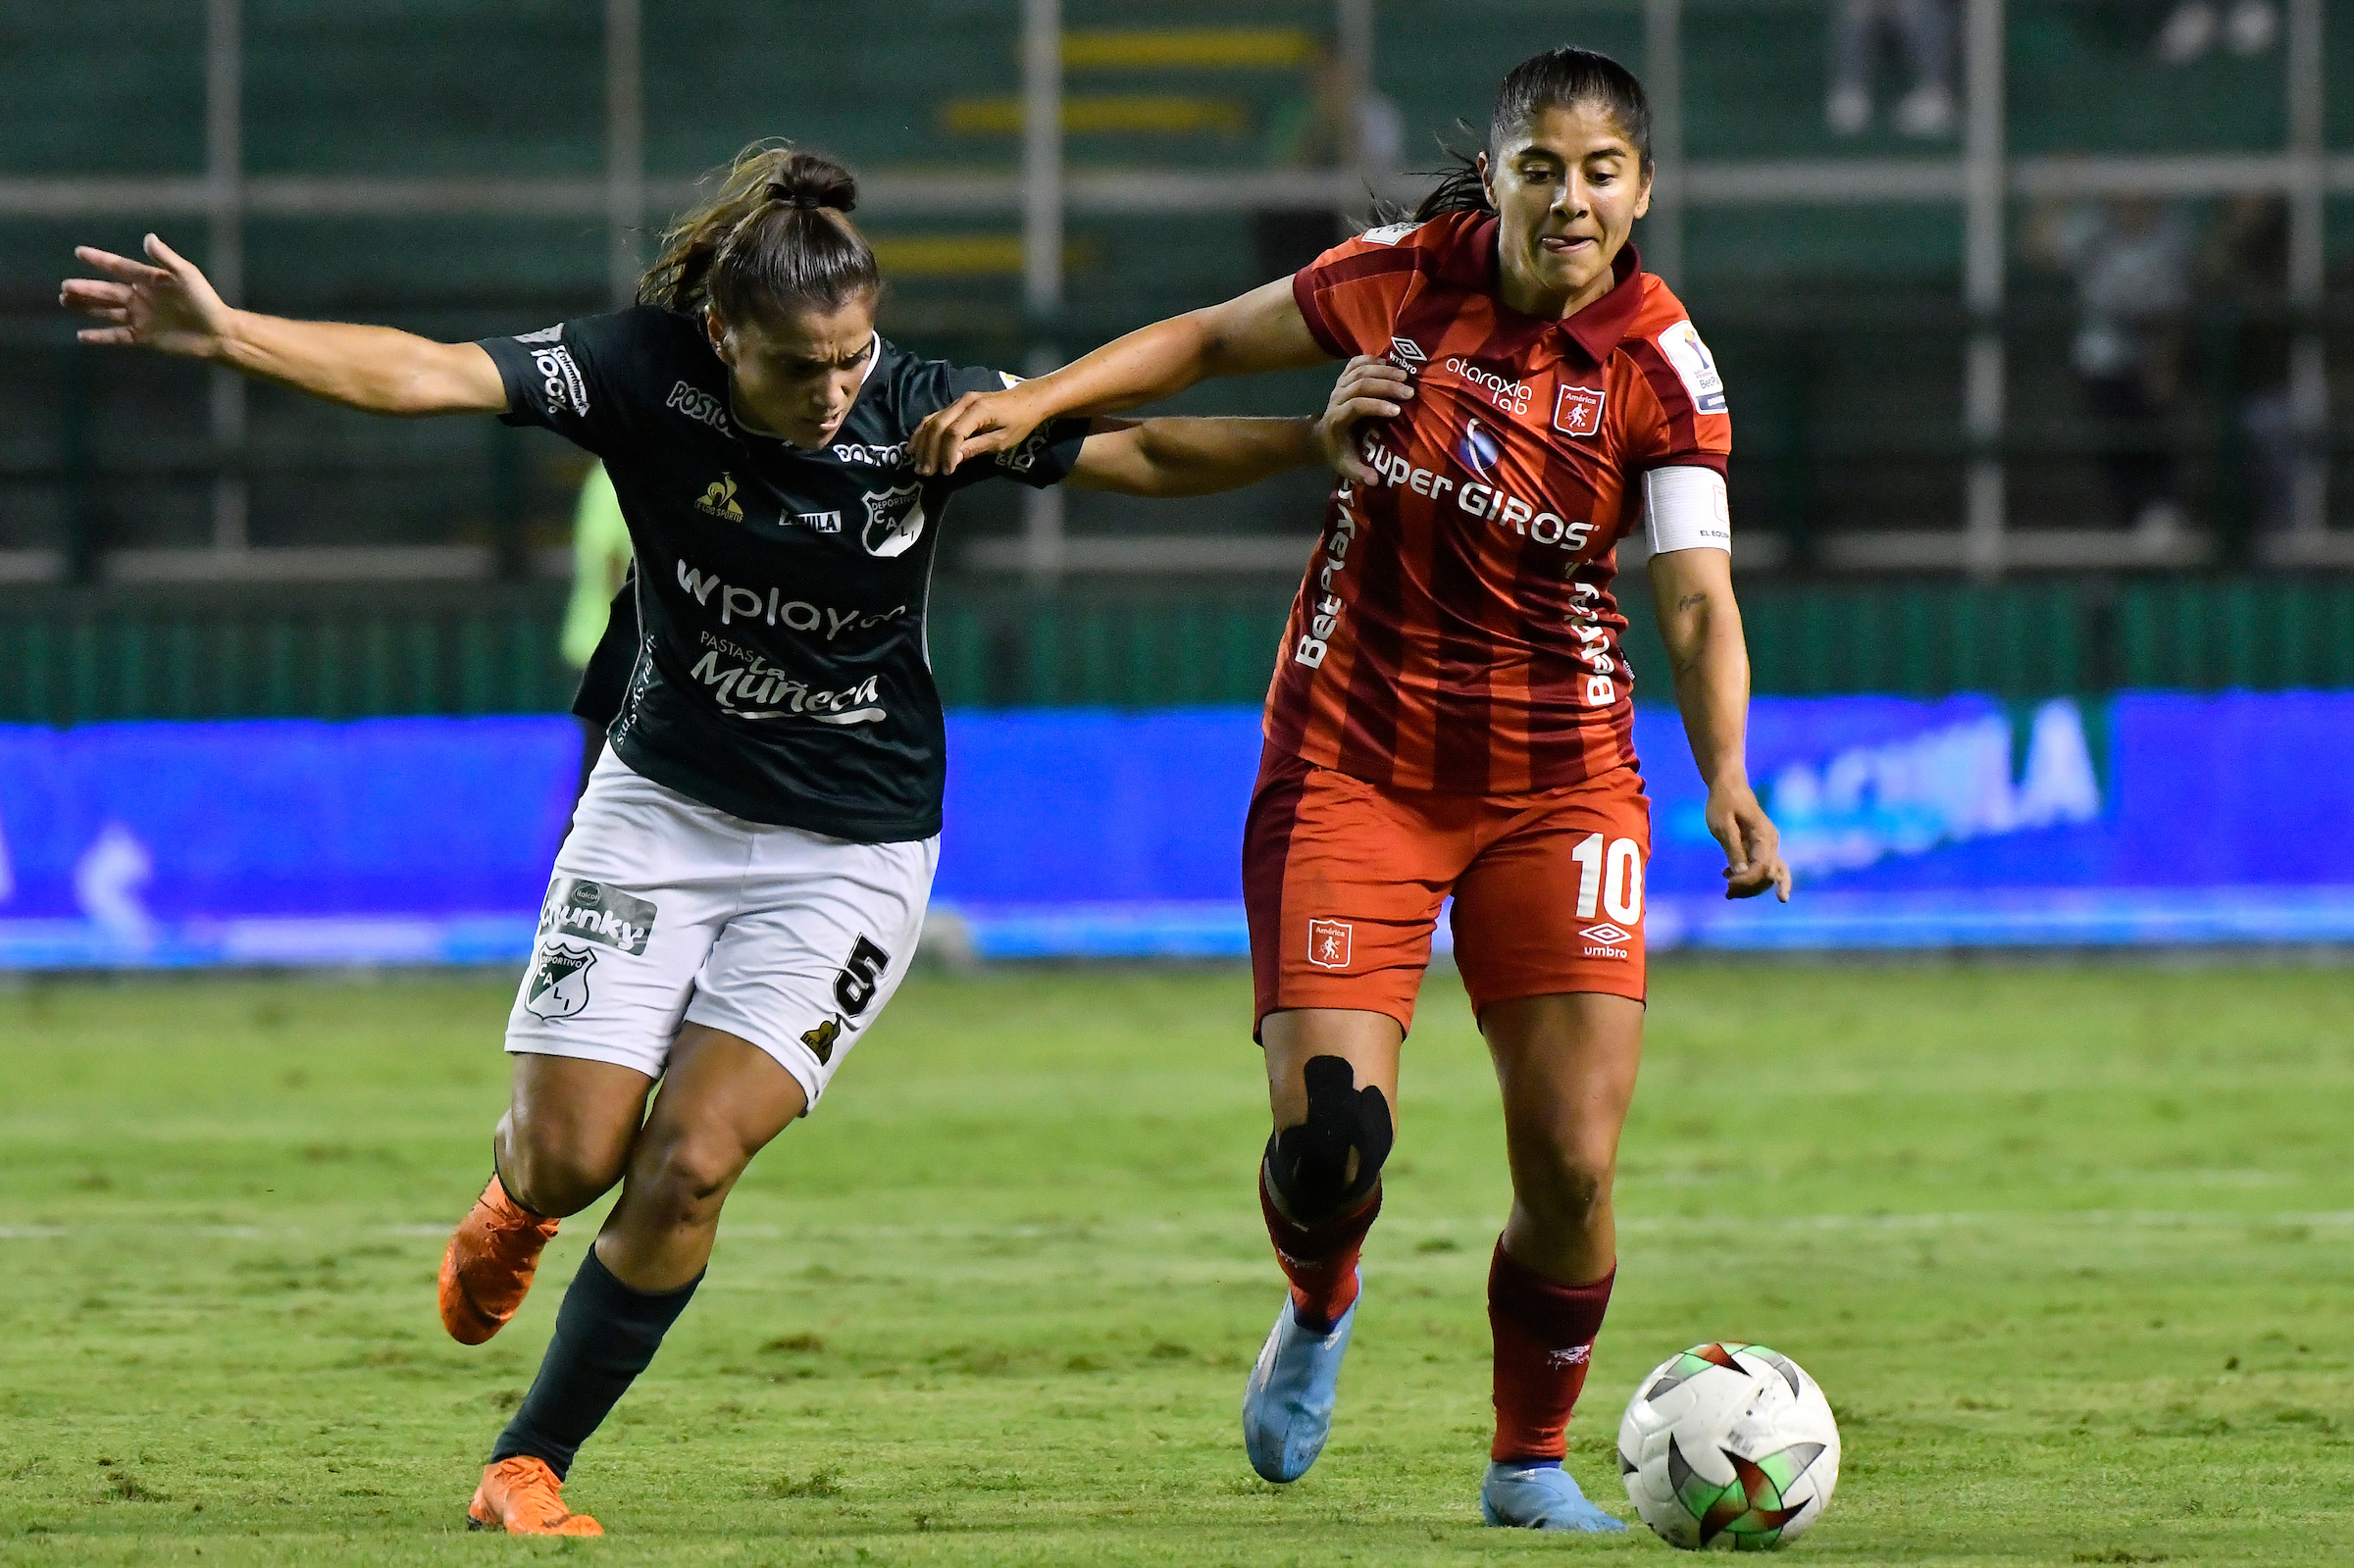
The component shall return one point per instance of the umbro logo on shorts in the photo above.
(1328, 942)
(1602, 942)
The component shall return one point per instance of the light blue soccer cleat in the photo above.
(1540, 1497)
(1287, 1405)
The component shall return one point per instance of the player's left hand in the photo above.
(1752, 845)
(974, 426)
(1369, 389)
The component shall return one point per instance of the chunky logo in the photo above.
(1511, 395)
(1695, 364)
(895, 520)
(1577, 411)
(560, 378)
(597, 912)
(1328, 942)
(698, 405)
(718, 500)
(559, 982)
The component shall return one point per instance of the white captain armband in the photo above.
(1685, 509)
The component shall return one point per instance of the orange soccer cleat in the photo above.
(492, 1255)
(523, 1497)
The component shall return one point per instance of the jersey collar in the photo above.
(1596, 331)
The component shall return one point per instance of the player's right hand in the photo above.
(974, 426)
(1369, 389)
(168, 305)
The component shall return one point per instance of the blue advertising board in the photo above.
(2150, 818)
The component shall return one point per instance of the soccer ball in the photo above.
(1729, 1445)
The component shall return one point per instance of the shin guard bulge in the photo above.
(606, 1334)
(1544, 1337)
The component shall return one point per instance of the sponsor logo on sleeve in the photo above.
(895, 520)
(1328, 942)
(1695, 365)
(559, 378)
(1023, 458)
(720, 501)
(559, 984)
(1388, 234)
(597, 912)
(1577, 411)
(698, 405)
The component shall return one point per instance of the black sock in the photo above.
(605, 1336)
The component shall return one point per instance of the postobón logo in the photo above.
(895, 520)
(597, 912)
(1328, 943)
(559, 985)
(1479, 450)
(720, 500)
(698, 405)
(1577, 411)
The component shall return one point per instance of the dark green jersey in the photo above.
(781, 673)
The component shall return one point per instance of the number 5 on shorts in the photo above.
(861, 972)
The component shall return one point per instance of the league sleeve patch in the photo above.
(1388, 234)
(1010, 379)
(1696, 364)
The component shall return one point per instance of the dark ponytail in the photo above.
(774, 235)
(1557, 79)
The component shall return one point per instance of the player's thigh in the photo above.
(1342, 882)
(569, 1125)
(826, 933)
(1552, 905)
(1369, 1042)
(643, 884)
(1567, 1066)
(722, 1102)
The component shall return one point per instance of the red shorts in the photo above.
(1343, 880)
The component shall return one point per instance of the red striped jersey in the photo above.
(1456, 630)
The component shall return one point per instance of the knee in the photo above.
(1331, 1162)
(550, 1173)
(1571, 1185)
(687, 1175)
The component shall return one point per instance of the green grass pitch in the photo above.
(2069, 1250)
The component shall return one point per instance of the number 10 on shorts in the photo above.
(1609, 879)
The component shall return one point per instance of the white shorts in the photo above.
(664, 910)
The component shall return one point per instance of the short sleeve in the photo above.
(1350, 295)
(568, 377)
(1044, 457)
(1690, 423)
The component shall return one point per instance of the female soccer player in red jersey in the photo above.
(746, 873)
(1450, 714)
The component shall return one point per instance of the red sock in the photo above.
(1320, 1260)
(1543, 1334)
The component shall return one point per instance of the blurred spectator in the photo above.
(2196, 27)
(1922, 32)
(1319, 130)
(2249, 264)
(2131, 259)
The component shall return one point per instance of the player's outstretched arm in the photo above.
(1200, 456)
(1261, 331)
(166, 304)
(1700, 624)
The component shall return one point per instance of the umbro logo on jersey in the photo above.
(1407, 353)
(895, 520)
(1577, 411)
(720, 500)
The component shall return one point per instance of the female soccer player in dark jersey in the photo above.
(745, 877)
(1452, 713)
